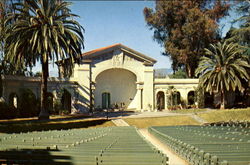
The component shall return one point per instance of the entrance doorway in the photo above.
(118, 83)
(66, 100)
(105, 100)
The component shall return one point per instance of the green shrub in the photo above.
(57, 106)
(7, 112)
(199, 97)
(64, 112)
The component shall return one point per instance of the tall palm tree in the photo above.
(2, 18)
(222, 69)
(45, 31)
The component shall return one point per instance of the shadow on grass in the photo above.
(33, 156)
(113, 114)
(12, 127)
(35, 119)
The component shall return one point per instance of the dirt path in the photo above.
(174, 159)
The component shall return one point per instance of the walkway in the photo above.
(116, 115)
(174, 159)
(120, 122)
(197, 118)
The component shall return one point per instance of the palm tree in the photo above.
(222, 69)
(171, 96)
(45, 31)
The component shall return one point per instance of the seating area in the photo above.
(226, 144)
(96, 146)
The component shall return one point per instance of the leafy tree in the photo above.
(185, 28)
(242, 34)
(178, 74)
(223, 69)
(171, 92)
(44, 31)
(38, 74)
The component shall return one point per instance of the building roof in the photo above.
(99, 51)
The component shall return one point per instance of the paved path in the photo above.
(139, 114)
(198, 119)
(115, 115)
(120, 122)
(174, 159)
(153, 114)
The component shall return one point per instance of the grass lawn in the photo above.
(18, 126)
(226, 115)
(189, 110)
(161, 121)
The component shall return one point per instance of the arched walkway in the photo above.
(13, 100)
(50, 98)
(176, 98)
(29, 105)
(191, 98)
(160, 100)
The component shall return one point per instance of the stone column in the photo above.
(155, 98)
(139, 97)
(83, 76)
(166, 99)
(148, 88)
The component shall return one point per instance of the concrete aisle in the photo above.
(120, 122)
(174, 159)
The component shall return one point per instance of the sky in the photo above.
(110, 22)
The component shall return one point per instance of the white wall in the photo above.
(120, 83)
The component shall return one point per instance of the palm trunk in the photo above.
(44, 115)
(1, 86)
(189, 71)
(222, 100)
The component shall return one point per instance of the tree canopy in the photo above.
(241, 35)
(178, 74)
(185, 28)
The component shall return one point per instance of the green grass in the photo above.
(161, 121)
(35, 125)
(226, 115)
(69, 122)
(189, 110)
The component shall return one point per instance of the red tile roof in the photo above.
(100, 49)
(89, 53)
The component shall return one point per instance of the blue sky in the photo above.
(110, 22)
(107, 23)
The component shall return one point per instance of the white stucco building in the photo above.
(108, 77)
(111, 77)
(120, 76)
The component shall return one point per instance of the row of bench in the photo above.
(207, 144)
(99, 146)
